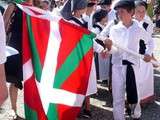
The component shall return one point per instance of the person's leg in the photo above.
(118, 93)
(87, 103)
(13, 91)
(137, 110)
(86, 110)
(3, 87)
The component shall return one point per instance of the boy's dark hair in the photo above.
(129, 5)
(99, 15)
(141, 3)
(90, 4)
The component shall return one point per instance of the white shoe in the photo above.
(11, 115)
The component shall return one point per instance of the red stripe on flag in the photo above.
(78, 80)
(67, 112)
(41, 31)
(32, 98)
(70, 34)
(25, 43)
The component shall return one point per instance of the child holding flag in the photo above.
(125, 69)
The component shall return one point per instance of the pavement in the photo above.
(101, 103)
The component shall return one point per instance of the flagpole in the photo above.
(156, 63)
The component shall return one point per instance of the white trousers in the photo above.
(118, 91)
(103, 67)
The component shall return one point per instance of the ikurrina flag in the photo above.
(57, 65)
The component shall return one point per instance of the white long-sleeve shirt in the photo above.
(129, 38)
(2, 41)
(149, 27)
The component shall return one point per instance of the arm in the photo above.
(150, 28)
(3, 87)
(149, 43)
(149, 50)
(2, 42)
(95, 30)
(7, 15)
(148, 40)
(150, 46)
(97, 47)
(109, 42)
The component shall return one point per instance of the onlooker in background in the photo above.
(53, 5)
(36, 3)
(100, 20)
(58, 6)
(60, 3)
(88, 15)
(45, 5)
(13, 66)
(157, 13)
(106, 5)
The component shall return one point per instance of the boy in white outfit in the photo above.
(125, 69)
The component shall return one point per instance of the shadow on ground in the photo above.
(98, 114)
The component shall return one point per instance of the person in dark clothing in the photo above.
(13, 66)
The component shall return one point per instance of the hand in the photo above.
(147, 58)
(108, 44)
(104, 54)
(153, 58)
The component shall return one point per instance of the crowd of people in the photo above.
(124, 22)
